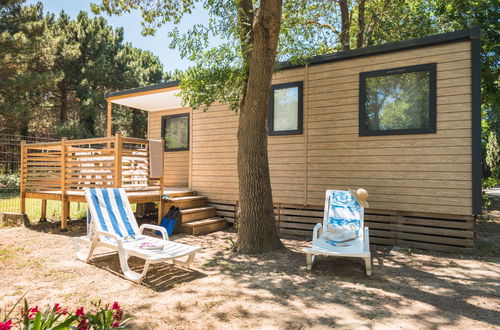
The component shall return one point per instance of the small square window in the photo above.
(175, 131)
(398, 101)
(285, 109)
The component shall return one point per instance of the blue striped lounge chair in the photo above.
(341, 210)
(112, 224)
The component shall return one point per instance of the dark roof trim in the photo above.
(442, 38)
(477, 173)
(172, 83)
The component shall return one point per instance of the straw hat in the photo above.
(360, 195)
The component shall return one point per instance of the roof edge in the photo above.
(442, 38)
(167, 84)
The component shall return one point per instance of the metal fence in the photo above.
(10, 150)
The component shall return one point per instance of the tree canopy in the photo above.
(55, 70)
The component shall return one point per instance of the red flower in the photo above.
(118, 315)
(32, 312)
(115, 324)
(79, 312)
(83, 325)
(58, 310)
(7, 325)
(116, 306)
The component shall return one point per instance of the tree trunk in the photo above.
(63, 112)
(257, 232)
(361, 23)
(345, 25)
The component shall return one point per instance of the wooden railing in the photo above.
(69, 166)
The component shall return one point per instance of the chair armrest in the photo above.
(104, 233)
(162, 230)
(318, 228)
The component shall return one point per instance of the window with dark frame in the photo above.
(398, 101)
(175, 131)
(285, 109)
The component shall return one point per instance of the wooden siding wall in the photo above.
(175, 163)
(416, 173)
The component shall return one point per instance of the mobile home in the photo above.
(401, 120)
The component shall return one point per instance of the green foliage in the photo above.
(9, 181)
(100, 317)
(492, 156)
(72, 130)
(54, 72)
(488, 183)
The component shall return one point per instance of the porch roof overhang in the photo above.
(150, 98)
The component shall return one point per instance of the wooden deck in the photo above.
(63, 170)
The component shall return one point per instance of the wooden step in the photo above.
(204, 226)
(188, 202)
(197, 213)
(180, 193)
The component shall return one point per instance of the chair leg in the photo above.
(309, 260)
(85, 257)
(185, 263)
(368, 264)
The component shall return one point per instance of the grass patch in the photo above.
(7, 253)
(34, 208)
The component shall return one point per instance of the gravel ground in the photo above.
(409, 289)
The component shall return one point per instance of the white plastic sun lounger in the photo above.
(112, 224)
(341, 208)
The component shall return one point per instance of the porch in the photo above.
(62, 170)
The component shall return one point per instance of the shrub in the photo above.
(9, 181)
(488, 183)
(99, 317)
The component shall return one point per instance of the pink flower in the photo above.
(116, 306)
(79, 312)
(7, 325)
(115, 324)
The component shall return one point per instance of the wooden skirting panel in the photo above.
(225, 209)
(429, 231)
(438, 232)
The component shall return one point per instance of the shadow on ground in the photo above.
(160, 277)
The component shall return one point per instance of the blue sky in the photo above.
(157, 44)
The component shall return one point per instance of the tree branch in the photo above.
(323, 26)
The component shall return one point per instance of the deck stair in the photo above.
(196, 217)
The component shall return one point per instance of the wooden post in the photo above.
(160, 203)
(22, 203)
(43, 216)
(110, 119)
(118, 161)
(64, 198)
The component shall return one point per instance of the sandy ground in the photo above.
(410, 289)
